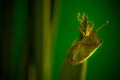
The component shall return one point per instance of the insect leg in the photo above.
(82, 32)
(91, 23)
(78, 17)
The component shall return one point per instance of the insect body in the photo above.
(86, 44)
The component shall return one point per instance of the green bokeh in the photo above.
(104, 64)
(19, 33)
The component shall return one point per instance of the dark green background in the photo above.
(21, 37)
(105, 63)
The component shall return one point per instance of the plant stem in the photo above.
(73, 72)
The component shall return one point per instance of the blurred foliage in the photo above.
(35, 34)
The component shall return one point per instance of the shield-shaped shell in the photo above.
(86, 44)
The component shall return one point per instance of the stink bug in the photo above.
(86, 44)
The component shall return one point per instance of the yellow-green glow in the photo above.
(90, 54)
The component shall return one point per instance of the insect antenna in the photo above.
(102, 25)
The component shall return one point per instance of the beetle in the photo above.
(87, 43)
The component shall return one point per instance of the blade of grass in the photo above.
(46, 40)
(73, 72)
